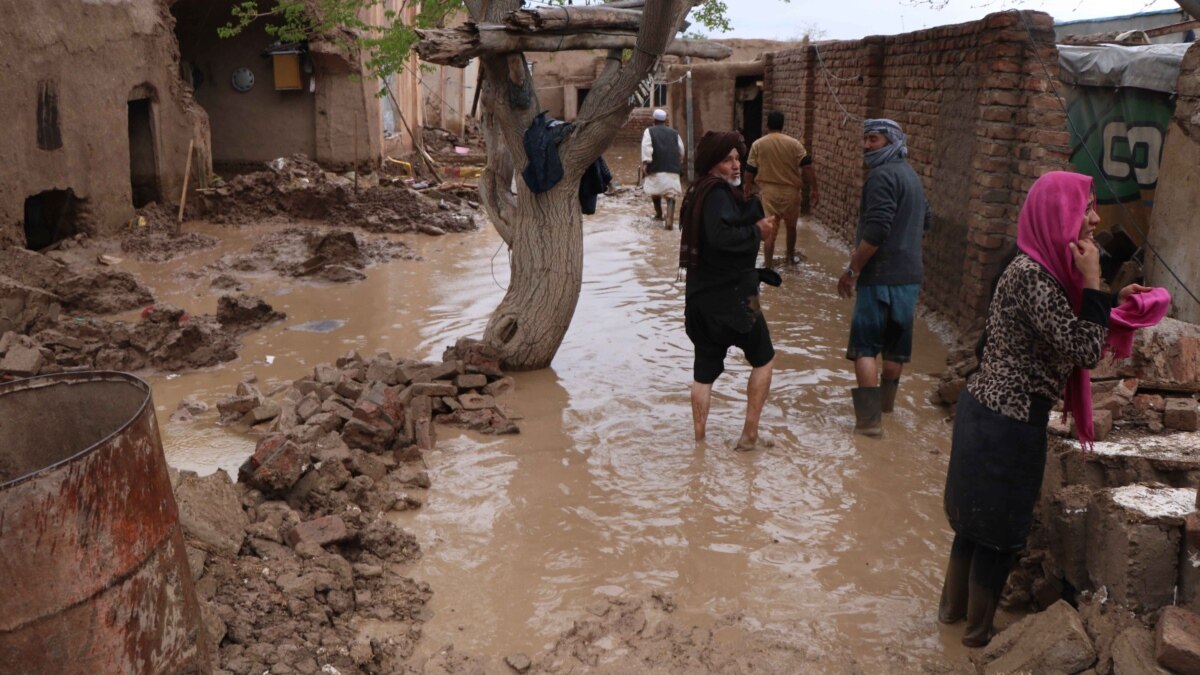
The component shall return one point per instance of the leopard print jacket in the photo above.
(1034, 340)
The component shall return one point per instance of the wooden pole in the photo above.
(187, 173)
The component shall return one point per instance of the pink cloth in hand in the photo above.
(1138, 311)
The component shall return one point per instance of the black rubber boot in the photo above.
(888, 394)
(670, 213)
(953, 606)
(867, 418)
(981, 610)
(658, 215)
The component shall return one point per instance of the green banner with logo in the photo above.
(1117, 139)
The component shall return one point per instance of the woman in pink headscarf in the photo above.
(1047, 321)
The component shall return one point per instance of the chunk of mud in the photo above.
(244, 313)
(228, 282)
(103, 291)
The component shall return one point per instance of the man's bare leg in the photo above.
(866, 371)
(657, 201)
(756, 398)
(769, 251)
(791, 238)
(701, 398)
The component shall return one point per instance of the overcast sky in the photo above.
(847, 19)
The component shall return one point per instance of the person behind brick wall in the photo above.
(662, 161)
(721, 232)
(1047, 322)
(780, 167)
(887, 270)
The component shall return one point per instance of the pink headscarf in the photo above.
(1050, 220)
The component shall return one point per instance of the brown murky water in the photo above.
(835, 539)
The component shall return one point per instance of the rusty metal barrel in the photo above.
(93, 571)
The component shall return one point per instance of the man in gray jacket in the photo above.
(886, 269)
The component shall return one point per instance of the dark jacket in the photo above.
(894, 216)
(666, 157)
(725, 282)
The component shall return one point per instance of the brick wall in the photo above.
(982, 123)
(638, 120)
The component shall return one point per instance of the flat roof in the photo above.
(1156, 12)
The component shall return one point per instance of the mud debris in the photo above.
(162, 246)
(296, 187)
(166, 338)
(331, 255)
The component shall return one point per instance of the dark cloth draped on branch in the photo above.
(544, 169)
(713, 147)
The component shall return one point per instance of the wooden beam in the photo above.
(1173, 28)
(457, 46)
(574, 19)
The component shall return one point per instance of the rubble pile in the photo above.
(297, 562)
(166, 338)
(329, 255)
(296, 187)
(377, 405)
(1100, 638)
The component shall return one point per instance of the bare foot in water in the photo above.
(746, 444)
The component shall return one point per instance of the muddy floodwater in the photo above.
(833, 539)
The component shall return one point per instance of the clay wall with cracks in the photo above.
(71, 70)
(982, 122)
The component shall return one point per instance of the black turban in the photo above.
(714, 146)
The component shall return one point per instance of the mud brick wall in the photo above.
(982, 122)
(638, 120)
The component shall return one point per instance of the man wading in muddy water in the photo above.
(887, 269)
(721, 234)
(662, 160)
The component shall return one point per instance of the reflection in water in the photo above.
(826, 536)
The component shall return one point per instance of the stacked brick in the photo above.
(978, 105)
(638, 120)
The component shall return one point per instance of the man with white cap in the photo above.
(662, 162)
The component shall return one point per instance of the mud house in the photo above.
(98, 120)
(267, 100)
(564, 79)
(103, 99)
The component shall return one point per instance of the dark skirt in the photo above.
(995, 475)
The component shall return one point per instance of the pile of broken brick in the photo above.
(381, 405)
(296, 565)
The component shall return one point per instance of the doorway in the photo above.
(143, 162)
(50, 217)
(748, 107)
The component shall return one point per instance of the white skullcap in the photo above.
(660, 115)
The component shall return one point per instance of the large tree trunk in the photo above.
(544, 232)
(547, 273)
